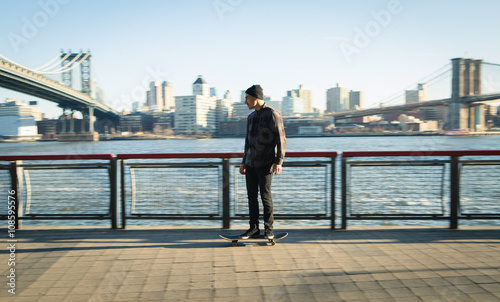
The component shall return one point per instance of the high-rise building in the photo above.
(197, 112)
(415, 96)
(242, 97)
(223, 111)
(305, 95)
(292, 104)
(200, 87)
(135, 106)
(355, 100)
(168, 95)
(154, 96)
(337, 99)
(228, 95)
(240, 110)
(213, 91)
(277, 105)
(160, 96)
(224, 108)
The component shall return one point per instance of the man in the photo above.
(265, 145)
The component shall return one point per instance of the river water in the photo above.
(236, 145)
(338, 144)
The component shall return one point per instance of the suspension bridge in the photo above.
(36, 83)
(465, 86)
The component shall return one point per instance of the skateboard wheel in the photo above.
(273, 243)
(235, 243)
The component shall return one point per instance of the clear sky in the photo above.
(377, 46)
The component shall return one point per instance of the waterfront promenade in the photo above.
(311, 264)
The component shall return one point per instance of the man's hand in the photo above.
(276, 169)
(243, 169)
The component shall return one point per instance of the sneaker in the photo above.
(251, 232)
(269, 234)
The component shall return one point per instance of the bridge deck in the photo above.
(311, 264)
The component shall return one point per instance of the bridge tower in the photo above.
(67, 76)
(69, 60)
(466, 81)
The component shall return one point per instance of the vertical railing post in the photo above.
(332, 197)
(344, 192)
(454, 191)
(122, 179)
(15, 194)
(226, 219)
(114, 192)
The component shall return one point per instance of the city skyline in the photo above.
(379, 48)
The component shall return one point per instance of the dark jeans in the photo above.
(260, 178)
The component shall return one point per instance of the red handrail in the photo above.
(311, 154)
(420, 153)
(217, 155)
(240, 154)
(56, 157)
(179, 155)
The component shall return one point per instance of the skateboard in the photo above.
(235, 239)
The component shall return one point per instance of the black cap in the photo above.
(256, 91)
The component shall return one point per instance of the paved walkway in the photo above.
(312, 264)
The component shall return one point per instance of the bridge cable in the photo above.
(55, 64)
(67, 66)
(431, 83)
(77, 63)
(437, 81)
(49, 63)
(13, 62)
(399, 94)
(492, 64)
(70, 64)
(60, 70)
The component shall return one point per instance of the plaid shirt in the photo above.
(265, 141)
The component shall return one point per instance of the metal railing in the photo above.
(173, 186)
(410, 185)
(208, 186)
(304, 191)
(49, 187)
(398, 185)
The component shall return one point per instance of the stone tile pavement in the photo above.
(311, 264)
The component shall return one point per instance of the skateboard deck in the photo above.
(235, 239)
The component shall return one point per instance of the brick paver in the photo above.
(311, 264)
